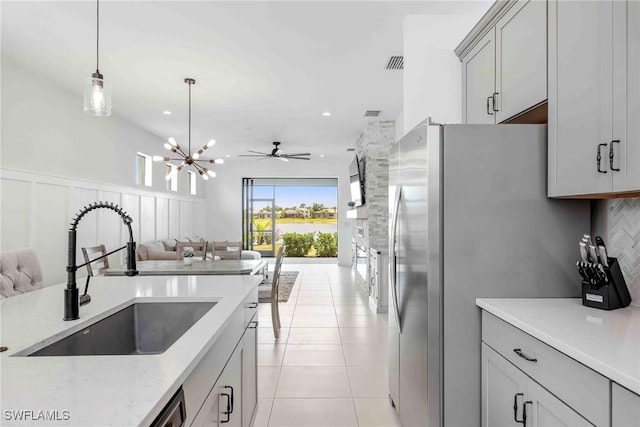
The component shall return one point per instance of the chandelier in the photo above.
(187, 158)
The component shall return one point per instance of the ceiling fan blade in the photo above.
(258, 152)
(298, 158)
(298, 154)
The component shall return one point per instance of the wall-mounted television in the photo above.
(356, 182)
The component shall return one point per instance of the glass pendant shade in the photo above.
(97, 96)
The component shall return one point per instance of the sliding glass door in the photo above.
(301, 212)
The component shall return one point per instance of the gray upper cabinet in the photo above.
(521, 59)
(504, 62)
(594, 98)
(478, 77)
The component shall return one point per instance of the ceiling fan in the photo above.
(277, 153)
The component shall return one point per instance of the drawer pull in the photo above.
(253, 324)
(252, 305)
(519, 352)
(515, 409)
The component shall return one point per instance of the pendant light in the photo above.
(97, 93)
(187, 158)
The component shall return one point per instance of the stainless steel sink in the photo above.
(140, 328)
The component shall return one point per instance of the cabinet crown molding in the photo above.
(488, 20)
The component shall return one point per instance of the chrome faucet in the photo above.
(72, 301)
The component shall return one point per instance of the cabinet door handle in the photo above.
(228, 411)
(252, 305)
(599, 157)
(524, 356)
(611, 155)
(495, 101)
(231, 399)
(515, 408)
(524, 412)
(489, 111)
(253, 324)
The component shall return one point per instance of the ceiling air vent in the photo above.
(395, 63)
(372, 113)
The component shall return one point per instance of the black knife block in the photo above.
(609, 296)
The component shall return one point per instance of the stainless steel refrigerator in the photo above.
(470, 218)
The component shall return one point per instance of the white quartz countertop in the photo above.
(606, 341)
(105, 390)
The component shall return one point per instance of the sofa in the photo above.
(166, 250)
(20, 272)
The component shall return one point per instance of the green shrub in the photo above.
(297, 244)
(326, 244)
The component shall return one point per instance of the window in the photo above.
(172, 181)
(143, 169)
(286, 210)
(192, 183)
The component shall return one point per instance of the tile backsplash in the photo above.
(623, 240)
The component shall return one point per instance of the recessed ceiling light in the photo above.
(166, 113)
(326, 114)
(321, 155)
(227, 155)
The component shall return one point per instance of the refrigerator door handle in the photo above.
(393, 252)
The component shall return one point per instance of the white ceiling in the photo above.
(265, 71)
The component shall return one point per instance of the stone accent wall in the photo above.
(623, 240)
(373, 148)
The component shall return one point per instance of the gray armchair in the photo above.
(20, 272)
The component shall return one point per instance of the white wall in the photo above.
(432, 78)
(44, 129)
(37, 208)
(55, 159)
(224, 194)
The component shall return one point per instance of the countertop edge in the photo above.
(595, 364)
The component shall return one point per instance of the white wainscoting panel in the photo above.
(110, 227)
(185, 218)
(147, 218)
(36, 211)
(162, 219)
(14, 210)
(51, 225)
(87, 231)
(174, 219)
(131, 204)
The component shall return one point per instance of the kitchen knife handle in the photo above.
(599, 158)
(612, 155)
(593, 254)
(515, 408)
(519, 352)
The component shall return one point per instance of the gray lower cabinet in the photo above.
(542, 384)
(503, 388)
(625, 407)
(223, 405)
(249, 373)
(544, 409)
(510, 397)
(223, 387)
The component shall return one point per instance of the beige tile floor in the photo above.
(329, 366)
